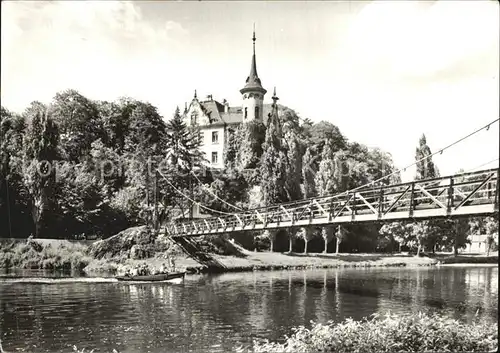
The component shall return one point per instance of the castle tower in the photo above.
(253, 92)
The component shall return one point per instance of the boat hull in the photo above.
(153, 278)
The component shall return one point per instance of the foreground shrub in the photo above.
(390, 333)
(36, 255)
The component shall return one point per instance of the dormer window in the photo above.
(194, 118)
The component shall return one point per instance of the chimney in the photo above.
(226, 106)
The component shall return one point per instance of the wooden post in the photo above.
(412, 199)
(381, 204)
(450, 197)
(353, 216)
(497, 191)
(155, 214)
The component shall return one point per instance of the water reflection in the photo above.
(217, 313)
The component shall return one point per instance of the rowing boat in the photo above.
(153, 278)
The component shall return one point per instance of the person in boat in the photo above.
(172, 263)
(163, 268)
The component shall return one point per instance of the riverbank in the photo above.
(391, 333)
(65, 255)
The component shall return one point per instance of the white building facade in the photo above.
(214, 119)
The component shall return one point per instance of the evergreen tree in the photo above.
(309, 170)
(425, 168)
(273, 163)
(183, 145)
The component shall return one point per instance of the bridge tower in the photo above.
(253, 92)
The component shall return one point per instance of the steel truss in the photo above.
(458, 195)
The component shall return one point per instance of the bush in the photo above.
(391, 333)
(34, 255)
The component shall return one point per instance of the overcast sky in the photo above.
(383, 72)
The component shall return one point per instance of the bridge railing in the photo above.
(444, 196)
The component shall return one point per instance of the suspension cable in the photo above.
(213, 194)
(482, 165)
(440, 151)
(188, 198)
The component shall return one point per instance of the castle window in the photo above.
(214, 158)
(246, 113)
(256, 112)
(215, 137)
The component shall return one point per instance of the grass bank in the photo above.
(261, 261)
(391, 333)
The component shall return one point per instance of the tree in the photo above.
(325, 131)
(491, 229)
(309, 170)
(425, 167)
(306, 233)
(77, 118)
(248, 141)
(327, 233)
(14, 199)
(271, 235)
(40, 152)
(417, 232)
(273, 163)
(183, 145)
(397, 231)
(330, 178)
(340, 235)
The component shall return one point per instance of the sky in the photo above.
(384, 72)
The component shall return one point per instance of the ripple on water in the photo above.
(220, 313)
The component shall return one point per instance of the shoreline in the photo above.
(265, 261)
(57, 255)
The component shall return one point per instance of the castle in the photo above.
(214, 118)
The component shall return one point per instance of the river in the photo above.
(215, 313)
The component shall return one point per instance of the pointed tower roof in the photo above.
(253, 81)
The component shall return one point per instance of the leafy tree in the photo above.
(340, 235)
(325, 131)
(491, 225)
(330, 177)
(248, 141)
(231, 187)
(271, 235)
(396, 231)
(14, 200)
(77, 118)
(40, 151)
(306, 233)
(328, 233)
(115, 119)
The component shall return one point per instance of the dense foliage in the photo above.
(390, 333)
(83, 168)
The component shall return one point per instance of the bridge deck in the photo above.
(453, 196)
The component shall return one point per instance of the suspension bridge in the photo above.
(459, 195)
